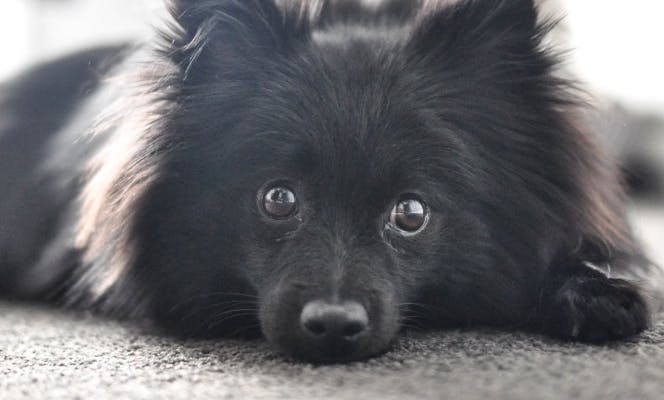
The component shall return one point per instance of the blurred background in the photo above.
(616, 51)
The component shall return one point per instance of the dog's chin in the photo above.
(297, 346)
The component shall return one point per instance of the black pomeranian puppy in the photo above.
(323, 172)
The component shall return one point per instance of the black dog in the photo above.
(326, 172)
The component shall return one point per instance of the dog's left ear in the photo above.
(477, 31)
(233, 32)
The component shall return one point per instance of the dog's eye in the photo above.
(279, 202)
(410, 215)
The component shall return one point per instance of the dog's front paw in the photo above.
(596, 310)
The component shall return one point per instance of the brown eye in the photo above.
(279, 202)
(409, 215)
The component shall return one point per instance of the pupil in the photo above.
(410, 215)
(279, 202)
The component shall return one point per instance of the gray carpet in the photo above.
(47, 354)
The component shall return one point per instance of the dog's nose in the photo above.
(332, 322)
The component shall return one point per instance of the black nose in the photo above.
(332, 322)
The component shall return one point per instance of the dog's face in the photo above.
(327, 183)
(344, 216)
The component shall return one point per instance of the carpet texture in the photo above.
(52, 354)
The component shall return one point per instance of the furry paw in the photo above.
(596, 310)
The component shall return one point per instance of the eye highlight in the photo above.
(279, 202)
(409, 215)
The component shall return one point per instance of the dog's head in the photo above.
(333, 176)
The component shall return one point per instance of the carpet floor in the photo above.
(46, 354)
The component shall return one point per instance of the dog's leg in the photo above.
(580, 302)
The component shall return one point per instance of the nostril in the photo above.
(353, 328)
(315, 327)
(334, 321)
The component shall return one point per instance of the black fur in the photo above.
(144, 203)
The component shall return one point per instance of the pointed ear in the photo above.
(477, 30)
(218, 32)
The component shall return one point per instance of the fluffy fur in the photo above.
(140, 196)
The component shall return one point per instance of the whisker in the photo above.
(232, 310)
(213, 294)
(225, 305)
(215, 323)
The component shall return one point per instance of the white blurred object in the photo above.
(648, 225)
(618, 48)
(15, 35)
(32, 30)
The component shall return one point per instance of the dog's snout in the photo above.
(332, 322)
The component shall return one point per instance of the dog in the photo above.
(322, 173)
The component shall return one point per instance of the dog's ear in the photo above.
(477, 31)
(218, 32)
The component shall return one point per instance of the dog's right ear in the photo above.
(484, 32)
(218, 32)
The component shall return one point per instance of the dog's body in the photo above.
(325, 170)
